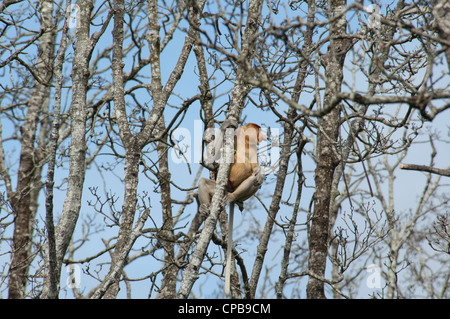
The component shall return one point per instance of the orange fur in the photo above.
(245, 157)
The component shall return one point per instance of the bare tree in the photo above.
(352, 95)
(24, 199)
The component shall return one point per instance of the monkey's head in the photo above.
(252, 128)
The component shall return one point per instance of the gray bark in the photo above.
(78, 113)
(51, 281)
(326, 154)
(23, 200)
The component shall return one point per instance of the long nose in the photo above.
(261, 137)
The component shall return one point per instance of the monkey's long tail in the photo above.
(229, 250)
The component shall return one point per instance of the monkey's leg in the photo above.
(247, 188)
(205, 190)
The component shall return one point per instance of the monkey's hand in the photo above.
(258, 172)
(204, 210)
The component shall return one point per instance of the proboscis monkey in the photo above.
(244, 179)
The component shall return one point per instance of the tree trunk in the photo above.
(169, 282)
(51, 280)
(24, 199)
(131, 180)
(78, 113)
(326, 155)
(132, 154)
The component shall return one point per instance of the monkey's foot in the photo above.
(228, 198)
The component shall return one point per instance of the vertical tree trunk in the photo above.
(132, 152)
(131, 180)
(326, 155)
(51, 280)
(78, 112)
(169, 282)
(23, 201)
